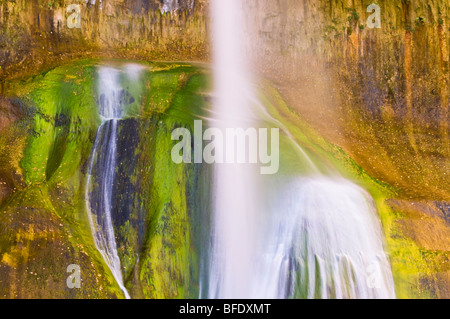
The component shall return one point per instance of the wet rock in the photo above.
(37, 36)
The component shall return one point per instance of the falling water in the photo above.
(322, 240)
(305, 236)
(234, 191)
(103, 165)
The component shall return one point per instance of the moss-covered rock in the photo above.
(44, 221)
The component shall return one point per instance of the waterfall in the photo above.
(233, 185)
(103, 165)
(322, 240)
(292, 236)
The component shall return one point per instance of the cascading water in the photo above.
(322, 240)
(233, 187)
(306, 235)
(103, 165)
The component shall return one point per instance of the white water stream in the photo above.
(103, 158)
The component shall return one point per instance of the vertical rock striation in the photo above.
(35, 34)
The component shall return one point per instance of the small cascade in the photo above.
(102, 166)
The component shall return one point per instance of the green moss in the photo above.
(166, 265)
(65, 122)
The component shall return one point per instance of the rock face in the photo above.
(36, 34)
(378, 92)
